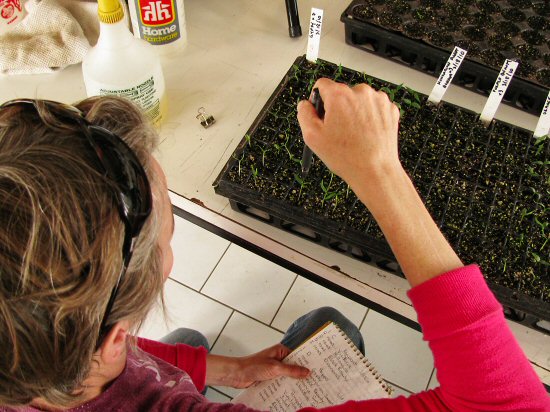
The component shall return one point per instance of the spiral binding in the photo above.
(366, 362)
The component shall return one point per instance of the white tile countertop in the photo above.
(237, 54)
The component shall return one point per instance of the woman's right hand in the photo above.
(357, 139)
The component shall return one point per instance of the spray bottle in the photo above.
(121, 65)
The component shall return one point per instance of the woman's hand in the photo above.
(357, 139)
(244, 371)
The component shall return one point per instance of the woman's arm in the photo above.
(238, 372)
(358, 141)
(480, 365)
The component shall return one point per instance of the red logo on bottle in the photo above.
(8, 8)
(156, 12)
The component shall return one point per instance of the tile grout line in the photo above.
(221, 331)
(393, 385)
(364, 318)
(213, 389)
(214, 268)
(269, 325)
(283, 300)
(430, 380)
(227, 306)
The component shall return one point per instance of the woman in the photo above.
(73, 196)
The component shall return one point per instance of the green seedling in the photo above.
(312, 81)
(537, 259)
(264, 152)
(545, 242)
(337, 199)
(542, 225)
(297, 72)
(302, 182)
(327, 193)
(239, 160)
(339, 72)
(254, 173)
(524, 213)
(539, 146)
(248, 139)
(391, 92)
(532, 172)
(366, 78)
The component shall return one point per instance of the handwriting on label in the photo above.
(499, 89)
(447, 74)
(543, 125)
(314, 38)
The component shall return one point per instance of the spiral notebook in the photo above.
(339, 372)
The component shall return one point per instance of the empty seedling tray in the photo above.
(487, 188)
(422, 33)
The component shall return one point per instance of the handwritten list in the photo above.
(339, 372)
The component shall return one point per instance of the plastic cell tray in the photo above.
(483, 186)
(430, 50)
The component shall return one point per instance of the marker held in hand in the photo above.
(307, 155)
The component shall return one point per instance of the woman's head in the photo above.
(61, 241)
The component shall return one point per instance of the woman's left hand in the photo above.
(244, 371)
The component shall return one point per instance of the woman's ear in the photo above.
(114, 344)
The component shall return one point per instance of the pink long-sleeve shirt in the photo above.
(480, 364)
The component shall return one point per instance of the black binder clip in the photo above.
(206, 119)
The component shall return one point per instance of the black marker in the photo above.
(307, 155)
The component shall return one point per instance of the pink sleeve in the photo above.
(191, 360)
(480, 365)
(479, 362)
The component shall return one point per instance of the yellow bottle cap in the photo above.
(110, 11)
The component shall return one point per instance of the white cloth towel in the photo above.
(49, 38)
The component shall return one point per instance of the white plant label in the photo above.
(499, 88)
(447, 74)
(314, 38)
(543, 125)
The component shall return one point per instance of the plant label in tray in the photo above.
(499, 88)
(446, 76)
(543, 125)
(314, 38)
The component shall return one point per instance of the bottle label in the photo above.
(146, 94)
(11, 12)
(158, 21)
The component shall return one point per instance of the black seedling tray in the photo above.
(422, 33)
(487, 188)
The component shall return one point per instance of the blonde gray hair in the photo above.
(60, 248)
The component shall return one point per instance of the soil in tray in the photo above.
(487, 188)
(490, 30)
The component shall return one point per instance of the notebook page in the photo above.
(338, 373)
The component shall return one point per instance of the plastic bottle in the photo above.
(161, 23)
(121, 65)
